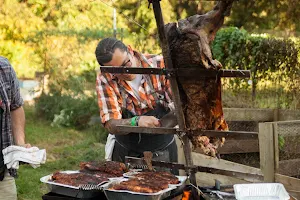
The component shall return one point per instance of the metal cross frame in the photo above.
(172, 74)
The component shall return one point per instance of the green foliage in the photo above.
(58, 38)
(40, 33)
(266, 15)
(274, 65)
(236, 48)
(269, 59)
(281, 142)
(70, 107)
(21, 57)
(65, 147)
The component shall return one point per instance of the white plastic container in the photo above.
(260, 191)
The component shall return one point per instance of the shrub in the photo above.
(274, 64)
(263, 55)
(68, 103)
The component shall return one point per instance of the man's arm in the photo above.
(144, 121)
(111, 125)
(18, 126)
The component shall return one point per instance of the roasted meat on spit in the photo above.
(189, 43)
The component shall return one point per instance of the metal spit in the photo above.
(172, 74)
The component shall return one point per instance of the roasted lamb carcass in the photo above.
(77, 179)
(189, 43)
(98, 167)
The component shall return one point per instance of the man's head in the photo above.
(113, 52)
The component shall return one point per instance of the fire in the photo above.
(186, 195)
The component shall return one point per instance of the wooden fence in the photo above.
(272, 168)
(260, 115)
(270, 150)
(256, 115)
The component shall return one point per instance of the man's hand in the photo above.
(148, 121)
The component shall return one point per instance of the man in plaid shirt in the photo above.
(133, 100)
(12, 125)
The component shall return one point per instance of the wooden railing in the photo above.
(274, 169)
(256, 115)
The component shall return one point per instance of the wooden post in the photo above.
(266, 151)
(276, 114)
(276, 147)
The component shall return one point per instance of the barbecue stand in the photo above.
(172, 74)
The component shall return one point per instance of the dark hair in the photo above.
(106, 48)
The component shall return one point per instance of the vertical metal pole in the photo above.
(122, 34)
(115, 23)
(175, 91)
(168, 62)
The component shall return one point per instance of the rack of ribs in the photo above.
(98, 167)
(76, 179)
(94, 172)
(147, 182)
(162, 176)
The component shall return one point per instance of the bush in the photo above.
(263, 55)
(236, 48)
(274, 64)
(67, 111)
(68, 103)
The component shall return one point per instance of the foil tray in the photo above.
(69, 190)
(260, 191)
(129, 195)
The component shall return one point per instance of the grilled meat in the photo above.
(76, 179)
(147, 182)
(91, 173)
(142, 186)
(110, 167)
(161, 176)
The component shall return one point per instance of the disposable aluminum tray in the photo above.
(129, 195)
(69, 190)
(261, 191)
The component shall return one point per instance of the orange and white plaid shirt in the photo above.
(109, 90)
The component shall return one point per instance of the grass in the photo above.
(65, 147)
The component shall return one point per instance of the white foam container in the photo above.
(260, 191)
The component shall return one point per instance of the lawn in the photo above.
(66, 148)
